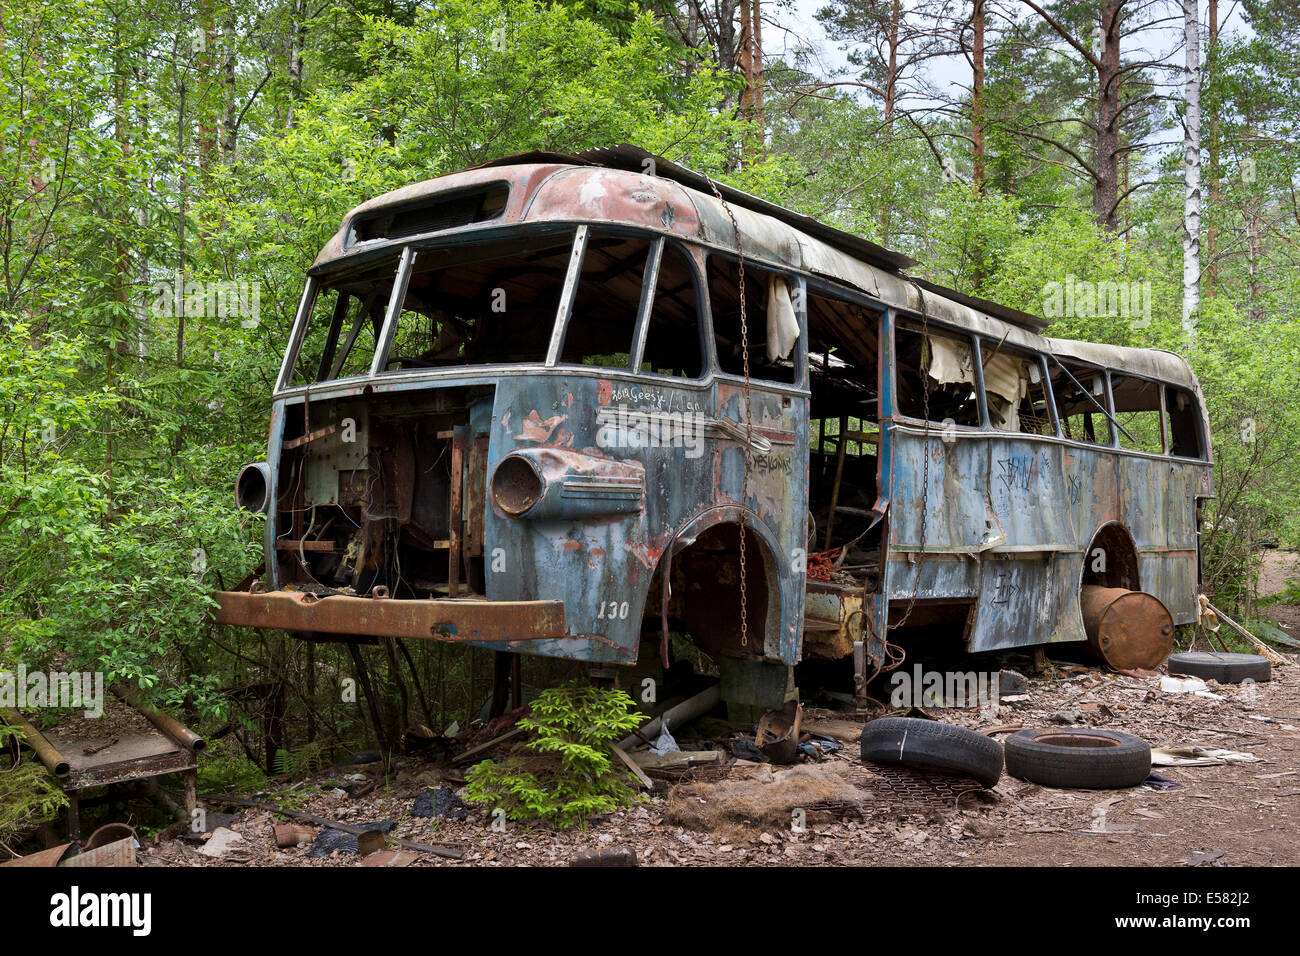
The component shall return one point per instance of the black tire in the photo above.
(1223, 667)
(1078, 758)
(933, 745)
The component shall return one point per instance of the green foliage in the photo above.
(309, 758)
(575, 726)
(27, 794)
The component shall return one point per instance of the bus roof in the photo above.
(626, 185)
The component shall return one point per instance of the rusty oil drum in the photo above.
(1127, 629)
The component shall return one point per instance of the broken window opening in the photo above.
(673, 341)
(773, 342)
(489, 303)
(843, 375)
(1015, 389)
(1186, 435)
(343, 325)
(1081, 418)
(1137, 410)
(602, 324)
(948, 366)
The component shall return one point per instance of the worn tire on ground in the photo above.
(1078, 758)
(1223, 667)
(933, 745)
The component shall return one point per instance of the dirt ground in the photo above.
(1248, 811)
(1234, 814)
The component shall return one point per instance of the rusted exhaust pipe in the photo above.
(54, 761)
(170, 726)
(1126, 629)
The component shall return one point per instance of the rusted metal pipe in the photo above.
(1126, 629)
(170, 726)
(459, 435)
(54, 761)
(687, 710)
(839, 475)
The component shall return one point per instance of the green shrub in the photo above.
(571, 778)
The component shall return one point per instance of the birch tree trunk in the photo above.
(1191, 167)
(977, 97)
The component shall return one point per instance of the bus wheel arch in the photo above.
(1112, 559)
(705, 568)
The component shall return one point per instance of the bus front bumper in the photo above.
(454, 621)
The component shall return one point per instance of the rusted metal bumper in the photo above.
(456, 621)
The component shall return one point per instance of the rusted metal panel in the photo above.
(1171, 576)
(953, 489)
(600, 559)
(451, 621)
(1009, 520)
(614, 195)
(1028, 488)
(1022, 601)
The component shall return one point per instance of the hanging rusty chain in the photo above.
(925, 463)
(749, 418)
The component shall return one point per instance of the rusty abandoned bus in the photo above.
(513, 414)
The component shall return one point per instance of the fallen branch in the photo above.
(631, 765)
(1265, 651)
(509, 734)
(443, 851)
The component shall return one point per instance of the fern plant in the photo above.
(574, 726)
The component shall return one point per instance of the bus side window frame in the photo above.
(1201, 430)
(659, 247)
(1050, 395)
(1091, 370)
(794, 281)
(972, 339)
(1031, 356)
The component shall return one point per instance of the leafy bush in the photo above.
(572, 778)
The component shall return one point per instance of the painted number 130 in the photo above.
(613, 611)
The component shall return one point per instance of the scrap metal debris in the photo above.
(440, 802)
(337, 841)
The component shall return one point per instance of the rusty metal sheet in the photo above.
(1027, 599)
(953, 489)
(121, 853)
(1027, 485)
(439, 620)
(45, 858)
(601, 565)
(1171, 576)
